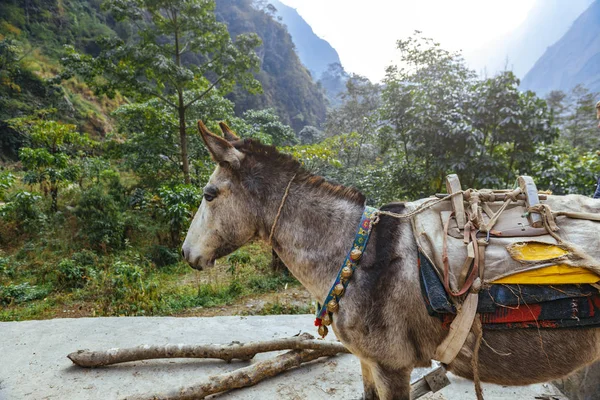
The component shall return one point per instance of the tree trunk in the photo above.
(54, 196)
(185, 167)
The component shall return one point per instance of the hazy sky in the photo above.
(364, 32)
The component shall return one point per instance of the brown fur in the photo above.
(382, 318)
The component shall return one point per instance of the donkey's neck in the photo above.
(313, 235)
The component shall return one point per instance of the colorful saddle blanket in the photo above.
(510, 306)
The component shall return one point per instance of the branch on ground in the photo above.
(242, 377)
(228, 352)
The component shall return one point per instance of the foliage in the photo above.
(266, 126)
(151, 148)
(70, 274)
(101, 220)
(21, 293)
(575, 115)
(177, 48)
(22, 211)
(48, 162)
(176, 205)
(309, 135)
(128, 291)
(433, 117)
(6, 181)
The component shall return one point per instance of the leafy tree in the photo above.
(265, 125)
(310, 134)
(49, 161)
(333, 81)
(178, 54)
(10, 58)
(579, 125)
(424, 101)
(508, 126)
(152, 145)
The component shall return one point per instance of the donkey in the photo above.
(382, 318)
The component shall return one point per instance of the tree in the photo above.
(579, 126)
(266, 126)
(333, 81)
(49, 161)
(151, 148)
(178, 53)
(309, 135)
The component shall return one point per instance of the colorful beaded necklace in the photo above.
(330, 305)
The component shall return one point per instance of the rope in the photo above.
(283, 199)
(421, 208)
(478, 331)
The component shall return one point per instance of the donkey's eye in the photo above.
(210, 192)
(209, 197)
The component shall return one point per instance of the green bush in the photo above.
(101, 221)
(127, 290)
(23, 211)
(163, 256)
(21, 293)
(70, 274)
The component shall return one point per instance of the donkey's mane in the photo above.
(285, 163)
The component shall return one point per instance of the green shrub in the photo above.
(6, 267)
(23, 211)
(70, 274)
(21, 293)
(163, 256)
(126, 290)
(101, 221)
(86, 258)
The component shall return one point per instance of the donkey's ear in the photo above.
(230, 135)
(220, 149)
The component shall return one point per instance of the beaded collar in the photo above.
(325, 312)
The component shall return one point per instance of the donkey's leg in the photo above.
(368, 382)
(392, 383)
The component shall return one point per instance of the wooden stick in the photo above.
(234, 350)
(242, 377)
(498, 196)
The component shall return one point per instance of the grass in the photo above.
(88, 284)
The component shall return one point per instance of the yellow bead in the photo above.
(333, 306)
(326, 320)
(355, 254)
(323, 330)
(338, 290)
(346, 272)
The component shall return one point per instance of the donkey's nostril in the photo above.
(183, 253)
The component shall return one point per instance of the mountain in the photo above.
(518, 51)
(288, 86)
(47, 25)
(573, 60)
(315, 53)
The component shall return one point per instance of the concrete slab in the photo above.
(33, 363)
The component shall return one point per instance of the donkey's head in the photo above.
(222, 223)
(237, 204)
